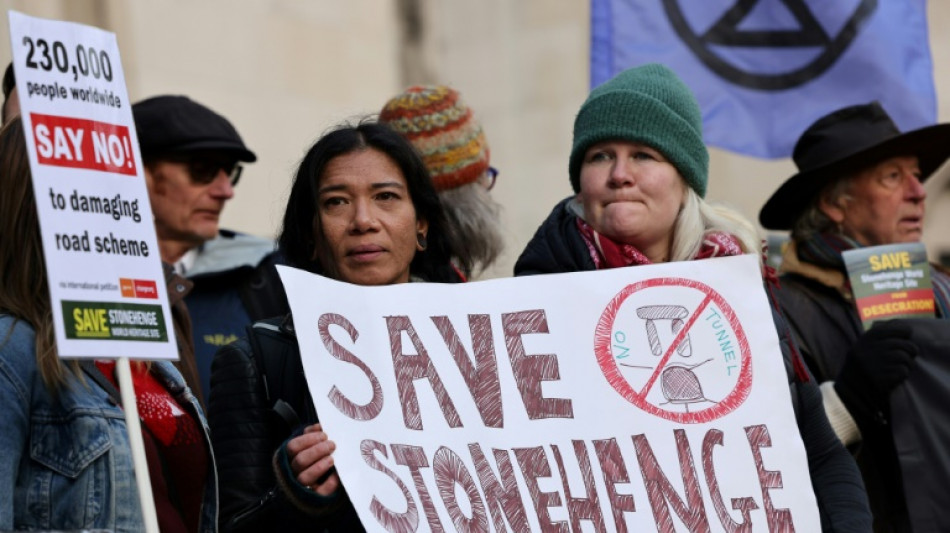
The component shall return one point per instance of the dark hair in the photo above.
(9, 83)
(24, 293)
(299, 239)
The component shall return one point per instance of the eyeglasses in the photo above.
(489, 177)
(205, 171)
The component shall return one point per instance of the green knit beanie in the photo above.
(648, 104)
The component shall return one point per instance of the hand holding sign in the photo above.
(881, 360)
(311, 462)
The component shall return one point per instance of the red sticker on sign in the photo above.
(81, 143)
(674, 348)
(138, 288)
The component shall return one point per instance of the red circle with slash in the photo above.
(605, 357)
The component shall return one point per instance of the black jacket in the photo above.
(235, 284)
(826, 327)
(557, 246)
(257, 490)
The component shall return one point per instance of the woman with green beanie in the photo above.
(639, 168)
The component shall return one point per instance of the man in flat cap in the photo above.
(192, 158)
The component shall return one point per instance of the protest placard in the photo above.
(890, 281)
(106, 282)
(652, 398)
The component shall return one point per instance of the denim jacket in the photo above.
(66, 463)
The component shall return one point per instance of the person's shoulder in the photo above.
(235, 240)
(277, 328)
(563, 211)
(232, 250)
(15, 333)
(797, 291)
(17, 346)
(169, 373)
(281, 327)
(557, 245)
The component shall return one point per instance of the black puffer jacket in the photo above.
(257, 490)
(558, 247)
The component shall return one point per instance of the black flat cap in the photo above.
(175, 124)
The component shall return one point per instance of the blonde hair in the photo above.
(24, 293)
(697, 219)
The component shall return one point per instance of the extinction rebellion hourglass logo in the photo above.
(674, 348)
(776, 58)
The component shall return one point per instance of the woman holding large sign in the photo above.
(67, 462)
(362, 210)
(640, 169)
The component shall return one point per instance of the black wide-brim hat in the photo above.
(843, 142)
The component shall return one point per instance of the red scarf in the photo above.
(608, 253)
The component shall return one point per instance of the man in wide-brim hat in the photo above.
(860, 184)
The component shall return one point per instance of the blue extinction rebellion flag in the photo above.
(763, 70)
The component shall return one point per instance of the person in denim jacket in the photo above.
(65, 458)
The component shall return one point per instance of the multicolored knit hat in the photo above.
(648, 104)
(444, 132)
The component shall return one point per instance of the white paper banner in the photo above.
(104, 268)
(641, 399)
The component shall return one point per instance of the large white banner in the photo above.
(651, 398)
(102, 258)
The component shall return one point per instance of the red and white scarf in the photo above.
(608, 253)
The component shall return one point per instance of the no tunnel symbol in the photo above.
(680, 384)
(643, 308)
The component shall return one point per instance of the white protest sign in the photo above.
(106, 282)
(652, 398)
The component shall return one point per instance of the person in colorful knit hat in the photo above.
(452, 143)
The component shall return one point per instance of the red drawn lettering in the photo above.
(587, 508)
(615, 472)
(661, 493)
(406, 522)
(531, 370)
(744, 505)
(482, 377)
(410, 367)
(414, 457)
(503, 498)
(449, 471)
(778, 519)
(356, 411)
(534, 464)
